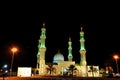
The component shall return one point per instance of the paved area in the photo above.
(55, 78)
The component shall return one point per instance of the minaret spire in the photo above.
(82, 40)
(43, 36)
(70, 50)
(81, 28)
(43, 24)
(82, 48)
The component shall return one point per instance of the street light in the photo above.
(13, 50)
(116, 59)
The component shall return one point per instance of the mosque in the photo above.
(59, 65)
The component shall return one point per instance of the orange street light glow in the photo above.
(14, 49)
(115, 56)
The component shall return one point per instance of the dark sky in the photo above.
(21, 26)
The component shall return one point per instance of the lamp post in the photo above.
(116, 59)
(13, 50)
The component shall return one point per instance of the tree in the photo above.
(51, 69)
(102, 71)
(72, 68)
(95, 70)
(91, 69)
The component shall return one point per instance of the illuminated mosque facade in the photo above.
(59, 66)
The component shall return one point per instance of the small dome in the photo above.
(58, 57)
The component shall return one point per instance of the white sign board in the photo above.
(24, 71)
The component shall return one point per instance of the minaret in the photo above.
(41, 51)
(70, 57)
(38, 55)
(82, 49)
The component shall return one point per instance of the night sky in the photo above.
(21, 27)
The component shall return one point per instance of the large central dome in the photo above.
(58, 57)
